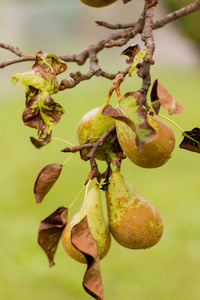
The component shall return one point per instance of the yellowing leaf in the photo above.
(141, 55)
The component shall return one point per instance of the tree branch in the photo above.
(118, 39)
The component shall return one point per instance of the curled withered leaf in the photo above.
(131, 112)
(191, 140)
(50, 231)
(41, 112)
(45, 180)
(159, 94)
(117, 114)
(83, 241)
(151, 3)
(154, 98)
(131, 52)
(126, 1)
(38, 143)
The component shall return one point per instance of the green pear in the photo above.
(91, 207)
(156, 152)
(133, 221)
(98, 3)
(91, 127)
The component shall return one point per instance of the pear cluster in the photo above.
(131, 219)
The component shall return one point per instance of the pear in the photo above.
(91, 207)
(133, 221)
(91, 127)
(98, 3)
(156, 152)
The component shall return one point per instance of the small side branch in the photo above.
(93, 146)
(184, 11)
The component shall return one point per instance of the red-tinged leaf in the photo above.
(38, 143)
(50, 231)
(151, 3)
(167, 101)
(45, 180)
(83, 241)
(191, 140)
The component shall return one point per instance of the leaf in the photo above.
(45, 181)
(191, 140)
(132, 113)
(42, 112)
(141, 55)
(160, 96)
(151, 3)
(83, 241)
(50, 63)
(31, 78)
(50, 231)
(38, 143)
(131, 52)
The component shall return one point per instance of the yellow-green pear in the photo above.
(98, 3)
(91, 127)
(133, 221)
(91, 207)
(156, 152)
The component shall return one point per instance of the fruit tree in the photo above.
(133, 129)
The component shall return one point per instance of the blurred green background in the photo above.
(171, 269)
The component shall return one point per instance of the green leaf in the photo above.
(132, 108)
(31, 78)
(141, 55)
(131, 112)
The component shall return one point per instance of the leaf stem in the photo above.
(79, 194)
(183, 132)
(172, 123)
(61, 140)
(69, 158)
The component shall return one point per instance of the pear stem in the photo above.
(61, 140)
(69, 158)
(183, 132)
(79, 194)
(172, 123)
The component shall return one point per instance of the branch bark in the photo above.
(118, 39)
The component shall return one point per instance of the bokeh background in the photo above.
(171, 269)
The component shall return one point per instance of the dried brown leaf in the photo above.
(50, 231)
(151, 3)
(191, 140)
(39, 143)
(166, 100)
(131, 52)
(45, 180)
(83, 241)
